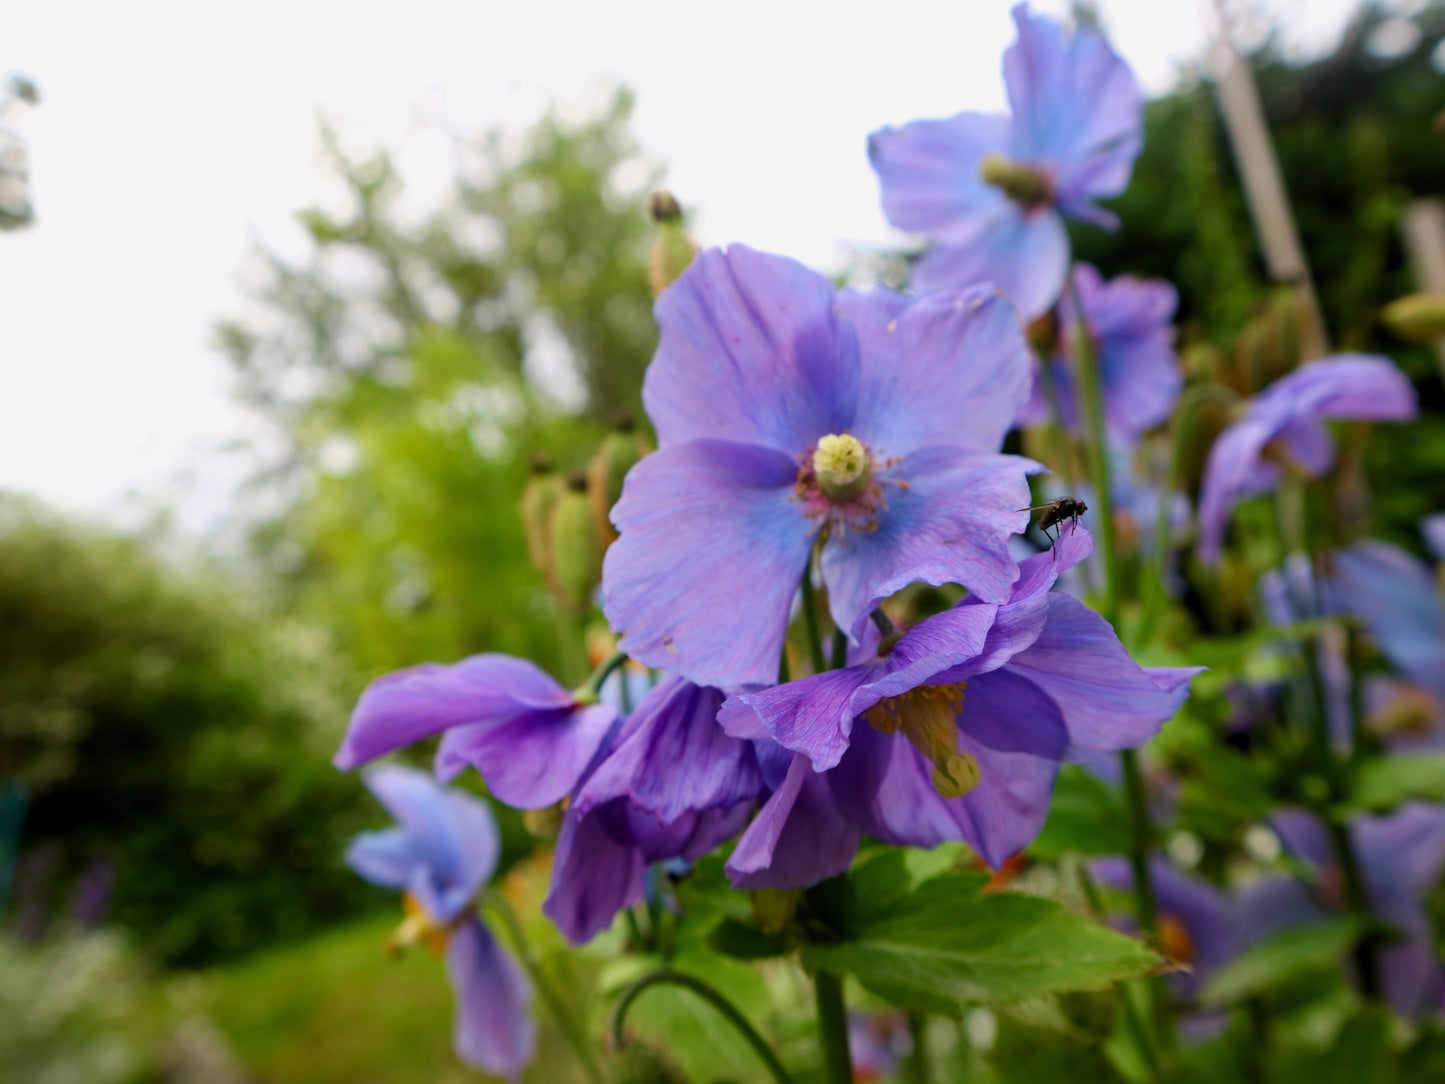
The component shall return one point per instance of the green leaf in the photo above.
(1085, 816)
(1283, 958)
(744, 942)
(1361, 1052)
(944, 945)
(1388, 782)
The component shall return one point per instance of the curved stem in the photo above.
(1092, 397)
(555, 1005)
(593, 685)
(667, 976)
(833, 1029)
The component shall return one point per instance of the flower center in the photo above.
(842, 467)
(1023, 184)
(1174, 939)
(928, 717)
(418, 928)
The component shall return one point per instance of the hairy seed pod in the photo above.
(538, 500)
(576, 554)
(616, 455)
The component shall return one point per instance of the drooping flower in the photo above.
(1129, 324)
(441, 853)
(530, 739)
(954, 731)
(1284, 425)
(1196, 924)
(669, 784)
(989, 190)
(1401, 858)
(786, 410)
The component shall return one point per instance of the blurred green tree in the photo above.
(166, 730)
(412, 370)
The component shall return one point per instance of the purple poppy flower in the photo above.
(1129, 322)
(957, 732)
(530, 739)
(1196, 923)
(1401, 859)
(1286, 423)
(442, 851)
(785, 410)
(988, 190)
(1398, 599)
(670, 784)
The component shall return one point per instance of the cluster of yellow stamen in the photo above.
(418, 928)
(928, 717)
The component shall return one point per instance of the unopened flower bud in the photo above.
(842, 467)
(1418, 317)
(619, 452)
(538, 500)
(672, 249)
(1022, 184)
(576, 554)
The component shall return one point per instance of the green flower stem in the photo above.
(840, 649)
(568, 1024)
(667, 976)
(589, 689)
(916, 1069)
(810, 621)
(1181, 438)
(1359, 901)
(833, 1029)
(1092, 396)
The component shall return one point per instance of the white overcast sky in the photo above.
(173, 134)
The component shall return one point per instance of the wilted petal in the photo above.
(415, 703)
(704, 525)
(951, 525)
(947, 370)
(531, 761)
(493, 1030)
(753, 350)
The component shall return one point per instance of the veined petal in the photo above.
(493, 1030)
(595, 874)
(753, 350)
(951, 525)
(1076, 108)
(947, 370)
(929, 173)
(675, 758)
(1023, 253)
(1108, 701)
(813, 715)
(703, 525)
(530, 761)
(415, 703)
(798, 838)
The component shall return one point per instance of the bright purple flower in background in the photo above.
(988, 189)
(1129, 322)
(530, 739)
(442, 851)
(1401, 858)
(1286, 423)
(957, 732)
(785, 409)
(670, 784)
(1433, 528)
(1196, 921)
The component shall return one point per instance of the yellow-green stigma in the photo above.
(1022, 184)
(928, 717)
(842, 467)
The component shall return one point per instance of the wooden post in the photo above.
(1264, 189)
